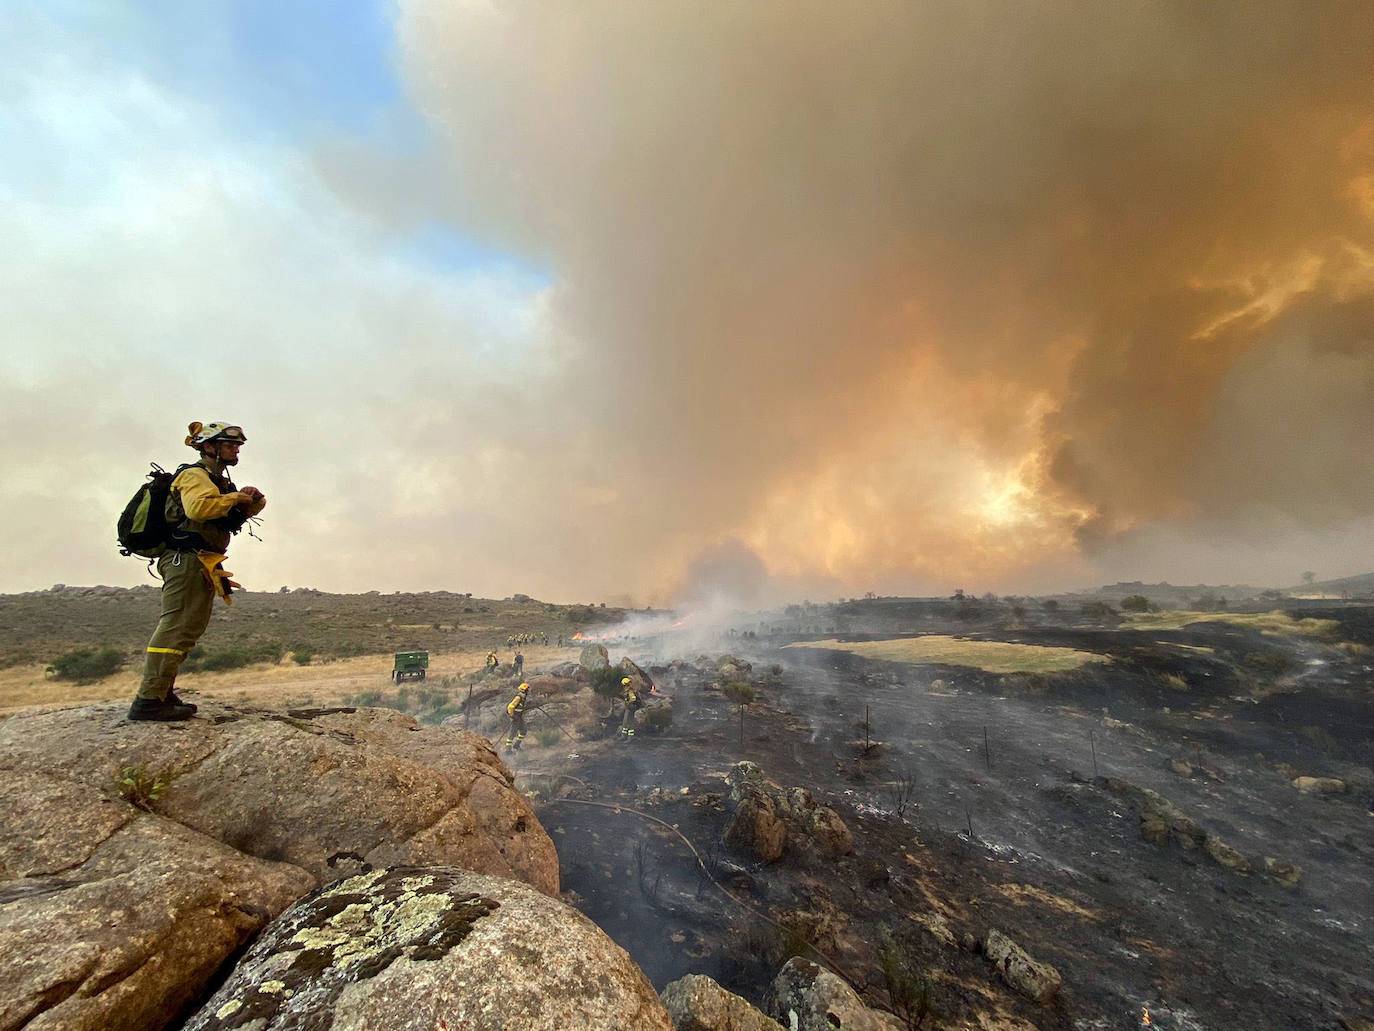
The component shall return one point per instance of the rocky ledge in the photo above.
(136, 858)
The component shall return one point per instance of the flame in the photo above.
(1145, 1020)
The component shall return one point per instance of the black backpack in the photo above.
(142, 526)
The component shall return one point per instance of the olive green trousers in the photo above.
(187, 599)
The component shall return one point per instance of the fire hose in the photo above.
(710, 877)
(544, 712)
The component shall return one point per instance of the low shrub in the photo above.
(233, 657)
(141, 787)
(1174, 682)
(302, 656)
(1272, 662)
(656, 719)
(86, 664)
(739, 692)
(908, 986)
(437, 716)
(606, 681)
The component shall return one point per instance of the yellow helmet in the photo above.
(202, 433)
(624, 681)
(523, 688)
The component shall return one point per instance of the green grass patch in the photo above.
(989, 656)
(1264, 622)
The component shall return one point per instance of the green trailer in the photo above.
(410, 666)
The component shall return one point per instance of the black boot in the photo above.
(172, 697)
(162, 710)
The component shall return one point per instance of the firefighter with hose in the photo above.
(630, 697)
(516, 711)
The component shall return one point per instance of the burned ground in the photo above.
(1015, 802)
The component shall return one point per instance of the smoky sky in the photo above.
(940, 291)
(769, 300)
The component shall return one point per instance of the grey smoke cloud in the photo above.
(931, 293)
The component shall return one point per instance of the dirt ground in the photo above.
(285, 683)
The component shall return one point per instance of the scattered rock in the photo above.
(1226, 856)
(1161, 822)
(938, 926)
(728, 667)
(697, 1003)
(424, 948)
(1286, 873)
(1035, 980)
(807, 998)
(1320, 785)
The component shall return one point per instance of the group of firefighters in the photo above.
(493, 663)
(629, 694)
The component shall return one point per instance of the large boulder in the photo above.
(755, 827)
(806, 997)
(1032, 978)
(330, 791)
(593, 658)
(697, 1003)
(111, 917)
(767, 817)
(436, 948)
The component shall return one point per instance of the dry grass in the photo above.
(1264, 622)
(1030, 895)
(330, 683)
(989, 656)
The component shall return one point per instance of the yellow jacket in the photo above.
(196, 500)
(517, 705)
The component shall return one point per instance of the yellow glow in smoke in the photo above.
(1006, 502)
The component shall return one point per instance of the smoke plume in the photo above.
(904, 296)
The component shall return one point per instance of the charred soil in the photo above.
(1136, 824)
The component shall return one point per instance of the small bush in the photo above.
(141, 787)
(86, 664)
(606, 681)
(436, 716)
(234, 657)
(1174, 682)
(739, 692)
(1136, 603)
(1097, 610)
(656, 719)
(1274, 663)
(302, 656)
(908, 987)
(226, 658)
(547, 736)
